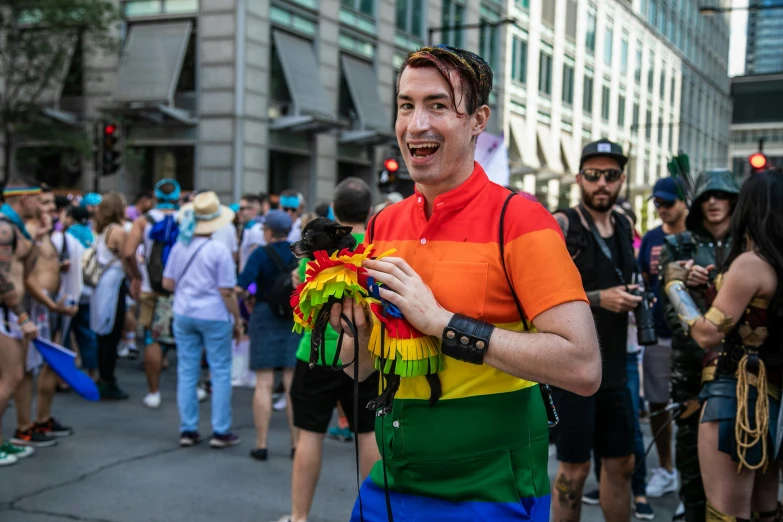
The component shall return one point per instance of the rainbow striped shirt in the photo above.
(481, 452)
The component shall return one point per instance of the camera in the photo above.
(645, 324)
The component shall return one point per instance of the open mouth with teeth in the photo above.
(421, 150)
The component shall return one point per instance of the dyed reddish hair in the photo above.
(474, 74)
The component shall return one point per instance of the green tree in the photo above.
(37, 43)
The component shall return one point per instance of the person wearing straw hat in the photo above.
(202, 275)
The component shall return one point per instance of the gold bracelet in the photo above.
(723, 322)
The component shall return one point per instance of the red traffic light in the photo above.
(391, 165)
(110, 129)
(758, 161)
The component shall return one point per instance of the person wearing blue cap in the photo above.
(90, 201)
(157, 232)
(273, 343)
(669, 199)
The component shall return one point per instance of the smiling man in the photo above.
(480, 452)
(707, 241)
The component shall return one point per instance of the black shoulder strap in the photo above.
(64, 254)
(275, 257)
(149, 218)
(372, 224)
(502, 244)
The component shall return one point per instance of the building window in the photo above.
(548, 13)
(453, 14)
(637, 74)
(568, 83)
(650, 71)
(652, 14)
(663, 85)
(488, 43)
(363, 6)
(590, 34)
(519, 61)
(522, 4)
(545, 72)
(635, 119)
(608, 41)
(660, 130)
(410, 17)
(287, 18)
(132, 8)
(587, 95)
(624, 55)
(621, 111)
(648, 125)
(605, 93)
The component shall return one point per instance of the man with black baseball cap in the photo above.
(669, 199)
(603, 423)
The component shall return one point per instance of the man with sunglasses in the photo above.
(603, 423)
(669, 199)
(707, 242)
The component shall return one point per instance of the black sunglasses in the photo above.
(593, 175)
(289, 209)
(717, 194)
(660, 203)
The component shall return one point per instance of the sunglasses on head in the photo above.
(660, 203)
(720, 196)
(593, 175)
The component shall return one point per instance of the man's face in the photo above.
(435, 139)
(248, 211)
(670, 212)
(144, 205)
(600, 195)
(716, 207)
(30, 207)
(46, 204)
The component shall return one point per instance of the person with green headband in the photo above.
(17, 257)
(167, 194)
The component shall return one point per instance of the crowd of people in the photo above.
(687, 316)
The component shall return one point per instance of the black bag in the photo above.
(279, 296)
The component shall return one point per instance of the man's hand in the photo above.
(357, 315)
(697, 275)
(29, 330)
(135, 289)
(62, 308)
(403, 288)
(65, 265)
(617, 300)
(295, 278)
(237, 330)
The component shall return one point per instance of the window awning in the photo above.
(50, 97)
(301, 72)
(570, 149)
(151, 62)
(549, 150)
(524, 148)
(363, 87)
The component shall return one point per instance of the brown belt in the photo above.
(708, 374)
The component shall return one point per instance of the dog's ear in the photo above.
(340, 230)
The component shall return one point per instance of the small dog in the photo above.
(323, 234)
(327, 235)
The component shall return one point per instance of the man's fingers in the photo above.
(689, 264)
(334, 317)
(389, 280)
(710, 268)
(390, 265)
(401, 264)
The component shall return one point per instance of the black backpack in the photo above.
(279, 296)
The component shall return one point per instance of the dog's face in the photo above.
(323, 234)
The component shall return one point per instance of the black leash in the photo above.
(675, 407)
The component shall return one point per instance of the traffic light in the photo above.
(758, 162)
(387, 181)
(111, 149)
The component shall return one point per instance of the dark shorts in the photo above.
(316, 391)
(603, 423)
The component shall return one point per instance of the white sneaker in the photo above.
(201, 394)
(662, 482)
(6, 459)
(152, 400)
(679, 513)
(122, 350)
(280, 404)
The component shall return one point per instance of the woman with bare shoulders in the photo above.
(742, 334)
(107, 305)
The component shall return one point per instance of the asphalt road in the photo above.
(124, 464)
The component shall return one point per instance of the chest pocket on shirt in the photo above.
(461, 287)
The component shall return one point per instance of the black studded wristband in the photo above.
(466, 339)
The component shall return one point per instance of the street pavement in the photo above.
(124, 464)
